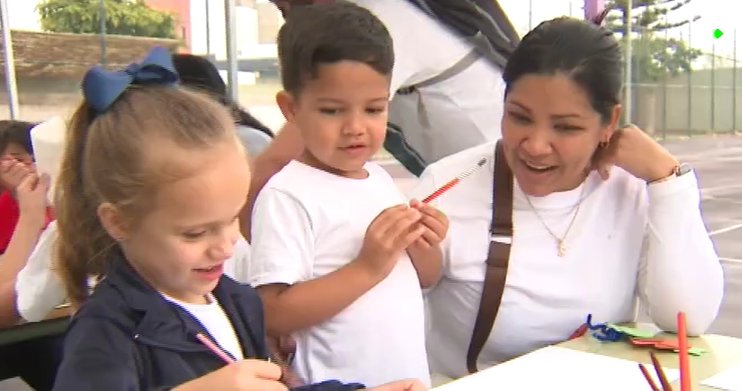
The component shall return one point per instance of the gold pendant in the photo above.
(562, 251)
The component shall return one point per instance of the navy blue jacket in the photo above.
(127, 337)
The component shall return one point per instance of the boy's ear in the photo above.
(112, 221)
(287, 104)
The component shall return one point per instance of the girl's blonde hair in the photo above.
(109, 158)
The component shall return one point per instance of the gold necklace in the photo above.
(561, 242)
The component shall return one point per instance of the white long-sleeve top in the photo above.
(629, 241)
(39, 289)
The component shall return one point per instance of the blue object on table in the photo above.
(602, 332)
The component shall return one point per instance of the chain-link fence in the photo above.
(707, 99)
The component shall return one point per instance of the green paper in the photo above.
(632, 332)
(697, 351)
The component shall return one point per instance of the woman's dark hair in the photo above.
(584, 51)
(199, 73)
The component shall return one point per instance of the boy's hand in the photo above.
(391, 232)
(282, 351)
(435, 224)
(284, 346)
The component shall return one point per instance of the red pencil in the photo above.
(648, 377)
(660, 373)
(453, 182)
(683, 352)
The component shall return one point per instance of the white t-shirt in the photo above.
(308, 223)
(213, 318)
(628, 240)
(39, 289)
(464, 110)
(254, 140)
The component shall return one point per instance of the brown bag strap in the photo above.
(501, 237)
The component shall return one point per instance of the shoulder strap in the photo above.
(452, 71)
(501, 237)
(482, 22)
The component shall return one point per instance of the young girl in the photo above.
(152, 181)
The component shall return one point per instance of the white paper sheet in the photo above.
(47, 139)
(557, 368)
(730, 380)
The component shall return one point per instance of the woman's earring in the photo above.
(602, 144)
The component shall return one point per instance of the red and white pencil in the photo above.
(453, 182)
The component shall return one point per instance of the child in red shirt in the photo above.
(16, 161)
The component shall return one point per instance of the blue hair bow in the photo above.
(101, 88)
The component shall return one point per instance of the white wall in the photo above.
(246, 31)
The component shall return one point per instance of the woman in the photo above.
(602, 217)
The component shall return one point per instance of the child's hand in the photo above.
(391, 232)
(401, 385)
(32, 202)
(435, 223)
(12, 173)
(283, 346)
(282, 351)
(244, 375)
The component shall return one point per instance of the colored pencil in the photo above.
(683, 352)
(453, 182)
(648, 377)
(660, 373)
(212, 346)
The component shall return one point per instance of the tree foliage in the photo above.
(653, 55)
(123, 17)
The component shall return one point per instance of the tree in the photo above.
(123, 17)
(653, 55)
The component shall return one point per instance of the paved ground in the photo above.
(718, 161)
(719, 165)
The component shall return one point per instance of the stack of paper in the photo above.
(730, 380)
(556, 368)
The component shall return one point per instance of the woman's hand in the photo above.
(636, 152)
